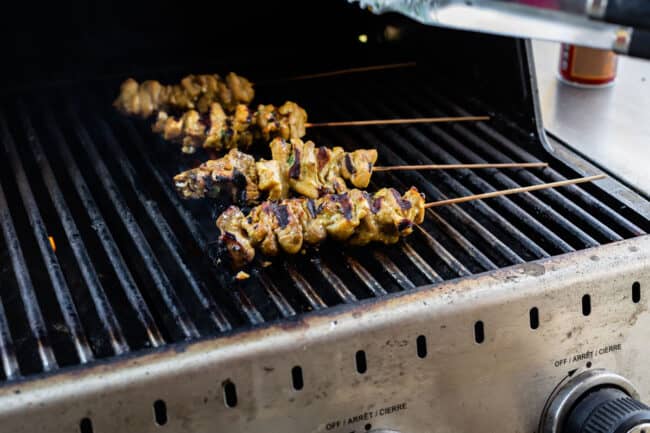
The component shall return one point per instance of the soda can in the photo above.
(587, 67)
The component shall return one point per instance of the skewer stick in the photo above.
(514, 191)
(399, 121)
(343, 72)
(459, 166)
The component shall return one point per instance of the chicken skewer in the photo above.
(193, 92)
(295, 166)
(355, 217)
(219, 131)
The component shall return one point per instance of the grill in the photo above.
(117, 315)
(129, 272)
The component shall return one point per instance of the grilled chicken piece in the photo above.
(296, 166)
(354, 217)
(194, 92)
(216, 130)
(234, 175)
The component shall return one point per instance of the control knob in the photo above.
(595, 401)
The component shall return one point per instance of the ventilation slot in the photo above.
(362, 366)
(421, 343)
(534, 318)
(296, 377)
(636, 292)
(229, 394)
(160, 412)
(586, 305)
(86, 426)
(479, 332)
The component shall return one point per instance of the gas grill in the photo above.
(116, 316)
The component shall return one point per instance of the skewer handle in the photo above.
(514, 191)
(399, 121)
(459, 166)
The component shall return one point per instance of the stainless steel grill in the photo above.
(130, 271)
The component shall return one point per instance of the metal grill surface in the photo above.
(131, 269)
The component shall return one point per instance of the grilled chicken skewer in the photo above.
(193, 92)
(218, 130)
(355, 217)
(295, 166)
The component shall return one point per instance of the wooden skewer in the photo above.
(342, 72)
(399, 121)
(514, 191)
(459, 166)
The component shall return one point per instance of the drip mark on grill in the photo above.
(294, 171)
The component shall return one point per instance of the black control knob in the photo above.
(595, 401)
(607, 410)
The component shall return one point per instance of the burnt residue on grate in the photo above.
(128, 268)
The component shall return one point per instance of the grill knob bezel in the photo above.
(568, 393)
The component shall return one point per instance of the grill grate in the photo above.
(130, 273)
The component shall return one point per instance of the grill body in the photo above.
(126, 324)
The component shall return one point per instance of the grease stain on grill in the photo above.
(533, 269)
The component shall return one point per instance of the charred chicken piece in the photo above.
(233, 176)
(296, 166)
(194, 92)
(355, 217)
(217, 130)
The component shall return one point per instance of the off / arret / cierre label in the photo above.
(587, 355)
(365, 417)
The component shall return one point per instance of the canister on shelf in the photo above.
(587, 67)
